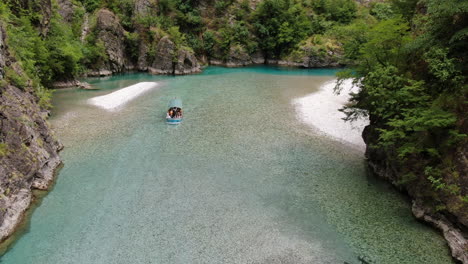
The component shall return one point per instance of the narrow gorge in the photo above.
(406, 58)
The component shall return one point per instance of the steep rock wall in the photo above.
(172, 60)
(112, 34)
(28, 148)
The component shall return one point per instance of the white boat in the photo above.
(174, 114)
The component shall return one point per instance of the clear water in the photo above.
(240, 181)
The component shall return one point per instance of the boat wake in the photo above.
(320, 111)
(113, 101)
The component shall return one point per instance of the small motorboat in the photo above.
(174, 115)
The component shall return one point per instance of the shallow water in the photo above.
(240, 181)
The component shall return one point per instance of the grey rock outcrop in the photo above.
(112, 34)
(144, 7)
(45, 7)
(142, 63)
(2, 53)
(84, 28)
(457, 241)
(72, 83)
(307, 62)
(66, 10)
(99, 73)
(28, 148)
(239, 57)
(172, 60)
(307, 57)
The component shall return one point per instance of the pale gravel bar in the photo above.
(113, 101)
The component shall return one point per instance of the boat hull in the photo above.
(173, 121)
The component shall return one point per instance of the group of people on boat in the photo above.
(174, 112)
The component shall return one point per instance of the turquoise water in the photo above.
(240, 181)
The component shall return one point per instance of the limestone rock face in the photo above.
(28, 148)
(170, 60)
(144, 7)
(238, 56)
(2, 53)
(142, 63)
(113, 36)
(66, 10)
(320, 62)
(187, 63)
(163, 61)
(45, 7)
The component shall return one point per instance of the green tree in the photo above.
(208, 42)
(413, 87)
(341, 11)
(280, 25)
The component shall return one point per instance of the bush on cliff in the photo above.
(413, 87)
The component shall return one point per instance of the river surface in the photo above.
(241, 180)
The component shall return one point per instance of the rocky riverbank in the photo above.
(451, 219)
(162, 55)
(28, 149)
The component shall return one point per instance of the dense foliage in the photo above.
(52, 50)
(412, 73)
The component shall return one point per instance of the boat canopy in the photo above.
(175, 103)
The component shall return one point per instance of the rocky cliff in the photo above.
(174, 60)
(28, 148)
(148, 48)
(111, 33)
(442, 210)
